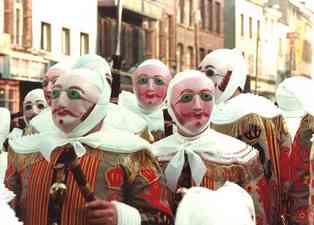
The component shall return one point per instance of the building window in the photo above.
(181, 12)
(202, 54)
(210, 15)
(280, 47)
(18, 24)
(242, 25)
(190, 58)
(9, 95)
(202, 10)
(250, 27)
(2, 97)
(45, 42)
(169, 39)
(307, 52)
(190, 10)
(258, 29)
(218, 17)
(84, 44)
(180, 57)
(65, 41)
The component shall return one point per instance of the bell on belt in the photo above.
(58, 192)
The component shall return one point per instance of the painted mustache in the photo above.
(150, 94)
(197, 115)
(63, 112)
(222, 86)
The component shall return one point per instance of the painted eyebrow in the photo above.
(28, 102)
(186, 90)
(39, 100)
(209, 66)
(207, 90)
(142, 75)
(77, 87)
(158, 76)
(57, 86)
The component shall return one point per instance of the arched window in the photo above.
(202, 54)
(180, 57)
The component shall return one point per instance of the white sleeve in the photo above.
(127, 215)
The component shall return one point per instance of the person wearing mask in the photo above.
(295, 98)
(247, 117)
(82, 173)
(150, 81)
(196, 155)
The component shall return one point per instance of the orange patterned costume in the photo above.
(238, 163)
(130, 178)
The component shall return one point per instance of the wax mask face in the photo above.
(73, 98)
(227, 69)
(150, 85)
(32, 106)
(220, 78)
(192, 103)
(49, 80)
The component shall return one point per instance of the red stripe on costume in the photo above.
(208, 183)
(38, 194)
(263, 188)
(73, 210)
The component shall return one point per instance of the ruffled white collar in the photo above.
(242, 105)
(218, 147)
(154, 118)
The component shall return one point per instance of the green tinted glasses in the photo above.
(72, 94)
(189, 96)
(144, 80)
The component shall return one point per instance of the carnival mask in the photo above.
(227, 69)
(73, 98)
(192, 102)
(34, 103)
(150, 82)
(51, 76)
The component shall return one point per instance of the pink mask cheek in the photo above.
(149, 98)
(208, 108)
(161, 91)
(182, 112)
(184, 115)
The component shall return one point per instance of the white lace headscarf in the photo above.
(295, 98)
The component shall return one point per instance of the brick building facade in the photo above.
(200, 30)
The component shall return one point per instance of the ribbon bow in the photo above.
(175, 166)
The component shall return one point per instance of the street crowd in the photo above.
(190, 148)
